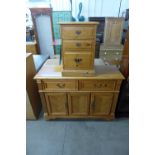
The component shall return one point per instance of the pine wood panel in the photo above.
(54, 72)
(78, 31)
(59, 85)
(113, 30)
(101, 103)
(77, 61)
(74, 45)
(103, 85)
(57, 103)
(31, 87)
(79, 103)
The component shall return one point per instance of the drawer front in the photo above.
(59, 85)
(107, 85)
(78, 32)
(111, 53)
(77, 61)
(77, 44)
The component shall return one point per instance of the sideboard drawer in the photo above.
(105, 85)
(78, 32)
(77, 44)
(59, 85)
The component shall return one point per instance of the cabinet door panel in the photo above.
(101, 103)
(79, 103)
(56, 103)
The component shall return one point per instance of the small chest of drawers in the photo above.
(78, 48)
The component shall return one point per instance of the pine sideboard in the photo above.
(79, 97)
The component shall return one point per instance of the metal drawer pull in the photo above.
(78, 32)
(61, 85)
(77, 60)
(88, 44)
(78, 44)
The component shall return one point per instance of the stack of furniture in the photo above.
(111, 49)
(71, 90)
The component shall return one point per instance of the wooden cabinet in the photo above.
(101, 103)
(57, 103)
(78, 48)
(79, 103)
(79, 97)
(111, 49)
(113, 30)
(33, 102)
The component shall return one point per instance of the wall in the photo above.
(90, 7)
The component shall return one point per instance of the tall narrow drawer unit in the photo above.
(78, 48)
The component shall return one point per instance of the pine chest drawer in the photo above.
(103, 85)
(78, 45)
(59, 85)
(76, 61)
(78, 31)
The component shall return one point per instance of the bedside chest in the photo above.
(78, 48)
(79, 97)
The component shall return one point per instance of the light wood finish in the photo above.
(71, 61)
(77, 32)
(78, 48)
(33, 103)
(79, 103)
(102, 85)
(57, 103)
(78, 73)
(113, 30)
(83, 97)
(81, 45)
(31, 47)
(101, 103)
(60, 85)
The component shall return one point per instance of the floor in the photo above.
(78, 137)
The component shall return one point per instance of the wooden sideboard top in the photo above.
(51, 71)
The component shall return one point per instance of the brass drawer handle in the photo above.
(77, 60)
(61, 85)
(78, 32)
(78, 44)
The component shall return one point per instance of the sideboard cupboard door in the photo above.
(56, 103)
(101, 103)
(79, 103)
